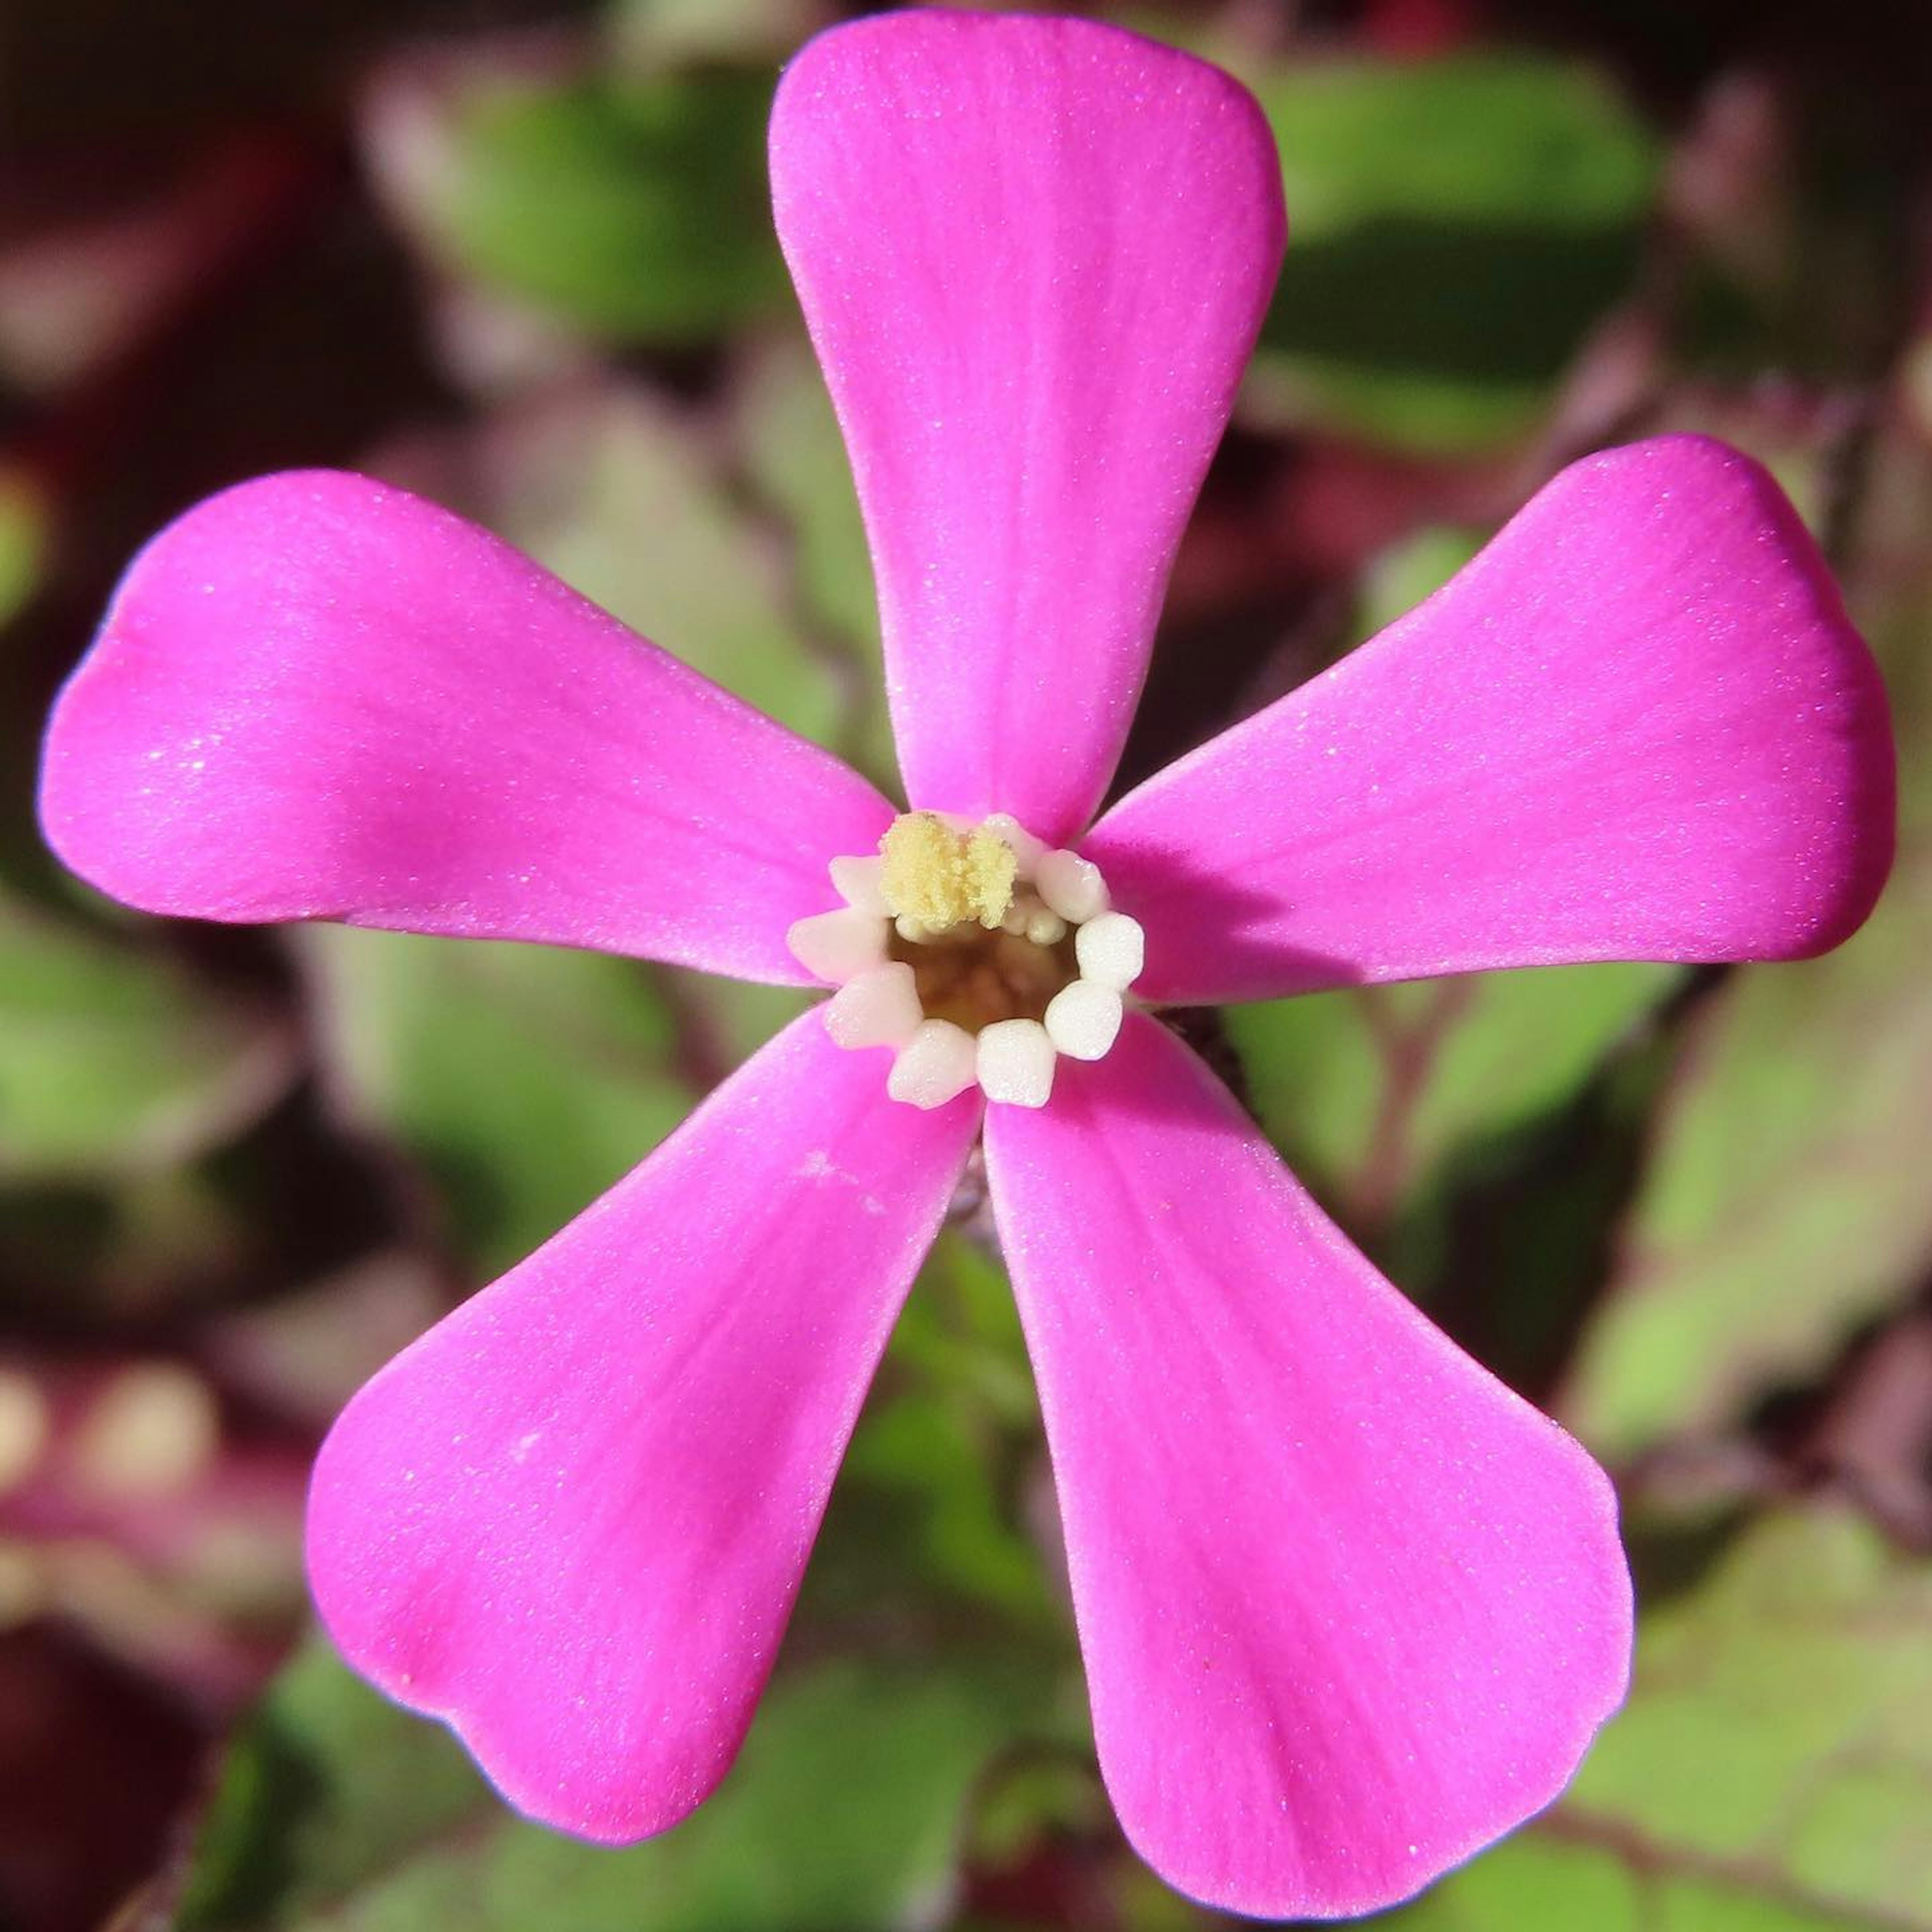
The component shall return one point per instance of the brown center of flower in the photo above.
(974, 951)
(974, 977)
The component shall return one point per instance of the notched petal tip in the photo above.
(1351, 1609)
(101, 820)
(571, 1519)
(317, 696)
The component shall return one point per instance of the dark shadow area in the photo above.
(1477, 303)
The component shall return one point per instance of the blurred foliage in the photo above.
(1438, 283)
(1785, 1200)
(1378, 1090)
(339, 1810)
(635, 510)
(116, 1062)
(22, 537)
(578, 1085)
(634, 208)
(1768, 1774)
(1689, 1211)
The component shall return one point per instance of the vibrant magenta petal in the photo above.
(315, 697)
(1350, 1609)
(1639, 726)
(571, 1519)
(1033, 254)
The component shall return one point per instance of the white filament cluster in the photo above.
(878, 1004)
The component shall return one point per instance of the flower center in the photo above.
(976, 953)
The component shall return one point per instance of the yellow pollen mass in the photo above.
(941, 878)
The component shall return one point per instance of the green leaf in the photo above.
(327, 1785)
(962, 1329)
(950, 1529)
(847, 1813)
(796, 457)
(112, 1063)
(1772, 1772)
(527, 1078)
(730, 1019)
(1779, 1714)
(927, 1495)
(1458, 225)
(1409, 572)
(24, 538)
(844, 1813)
(628, 502)
(1786, 1199)
(784, 426)
(1374, 1089)
(1528, 1884)
(669, 33)
(634, 208)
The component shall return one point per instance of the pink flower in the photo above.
(1349, 1608)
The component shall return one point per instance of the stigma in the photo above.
(975, 952)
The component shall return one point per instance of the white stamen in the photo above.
(1071, 887)
(880, 1008)
(1083, 1019)
(1111, 950)
(937, 1064)
(1023, 846)
(860, 881)
(839, 946)
(1040, 895)
(1016, 1063)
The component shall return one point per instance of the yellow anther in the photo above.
(990, 869)
(940, 878)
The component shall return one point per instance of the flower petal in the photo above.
(315, 697)
(1033, 254)
(1639, 726)
(571, 1519)
(1350, 1609)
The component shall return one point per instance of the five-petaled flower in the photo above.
(1349, 1608)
